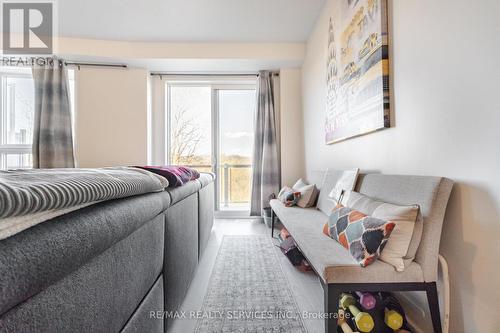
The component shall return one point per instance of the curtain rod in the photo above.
(206, 74)
(29, 61)
(95, 64)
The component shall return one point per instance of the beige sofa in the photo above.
(339, 272)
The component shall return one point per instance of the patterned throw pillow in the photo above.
(364, 236)
(289, 196)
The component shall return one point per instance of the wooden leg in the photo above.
(432, 299)
(332, 295)
(272, 223)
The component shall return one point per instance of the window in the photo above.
(16, 117)
(17, 100)
(190, 127)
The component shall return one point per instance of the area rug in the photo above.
(248, 291)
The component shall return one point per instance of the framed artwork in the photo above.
(357, 70)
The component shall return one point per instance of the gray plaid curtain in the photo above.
(266, 173)
(52, 133)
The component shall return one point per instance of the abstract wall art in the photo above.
(357, 70)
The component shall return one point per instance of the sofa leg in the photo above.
(272, 223)
(432, 299)
(332, 295)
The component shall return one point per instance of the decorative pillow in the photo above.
(308, 193)
(364, 236)
(176, 175)
(401, 247)
(289, 196)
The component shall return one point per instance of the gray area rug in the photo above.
(248, 291)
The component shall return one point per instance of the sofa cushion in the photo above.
(364, 236)
(404, 217)
(331, 261)
(184, 191)
(305, 225)
(206, 178)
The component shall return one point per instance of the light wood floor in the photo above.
(305, 286)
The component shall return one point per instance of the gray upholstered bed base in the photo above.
(107, 267)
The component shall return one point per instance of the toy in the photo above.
(366, 300)
(364, 322)
(393, 319)
(393, 313)
(343, 323)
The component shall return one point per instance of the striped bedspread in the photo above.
(31, 192)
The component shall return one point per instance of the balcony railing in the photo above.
(234, 184)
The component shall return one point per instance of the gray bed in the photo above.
(107, 267)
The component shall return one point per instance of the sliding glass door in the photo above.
(235, 110)
(211, 129)
(190, 120)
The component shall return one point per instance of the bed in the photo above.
(110, 266)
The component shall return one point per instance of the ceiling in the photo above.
(189, 20)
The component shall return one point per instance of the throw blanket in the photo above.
(24, 192)
(176, 175)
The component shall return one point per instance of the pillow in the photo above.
(288, 196)
(335, 181)
(176, 175)
(308, 194)
(325, 203)
(401, 247)
(345, 183)
(364, 236)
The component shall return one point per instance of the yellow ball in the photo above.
(364, 322)
(393, 319)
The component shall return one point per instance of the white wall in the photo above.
(447, 115)
(115, 114)
(111, 117)
(292, 143)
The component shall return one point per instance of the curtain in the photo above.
(266, 171)
(52, 132)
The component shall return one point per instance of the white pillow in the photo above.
(308, 193)
(299, 184)
(334, 183)
(396, 250)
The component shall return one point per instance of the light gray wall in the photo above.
(446, 88)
